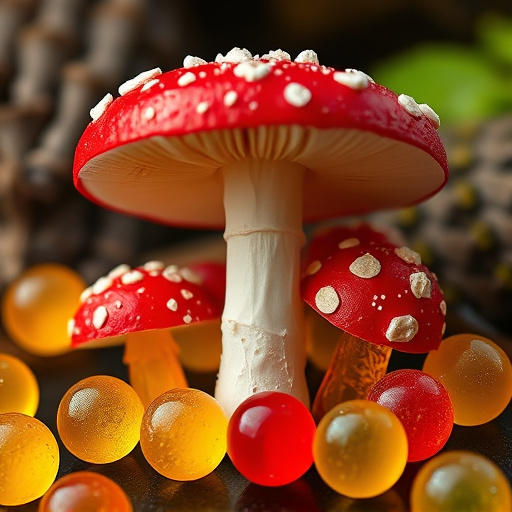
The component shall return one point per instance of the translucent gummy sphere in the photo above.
(19, 390)
(460, 481)
(99, 419)
(29, 459)
(183, 434)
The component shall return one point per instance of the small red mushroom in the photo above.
(382, 297)
(143, 307)
(257, 145)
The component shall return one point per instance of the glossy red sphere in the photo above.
(423, 406)
(270, 438)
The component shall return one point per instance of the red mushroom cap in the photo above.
(156, 151)
(379, 292)
(149, 297)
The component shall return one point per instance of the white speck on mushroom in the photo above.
(186, 79)
(374, 303)
(149, 113)
(189, 61)
(253, 105)
(86, 294)
(348, 243)
(187, 319)
(140, 79)
(375, 297)
(186, 294)
(171, 274)
(327, 300)
(202, 74)
(153, 265)
(132, 277)
(141, 290)
(71, 326)
(408, 255)
(118, 304)
(172, 304)
(355, 80)
(276, 55)
(202, 107)
(402, 328)
(352, 70)
(383, 297)
(410, 105)
(191, 276)
(235, 55)
(379, 308)
(251, 70)
(442, 307)
(149, 84)
(102, 284)
(307, 56)
(97, 111)
(119, 271)
(230, 98)
(430, 114)
(296, 94)
(313, 267)
(99, 317)
(278, 72)
(366, 266)
(421, 285)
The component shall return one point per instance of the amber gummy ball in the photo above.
(476, 373)
(29, 459)
(183, 434)
(19, 389)
(99, 419)
(85, 491)
(36, 308)
(460, 481)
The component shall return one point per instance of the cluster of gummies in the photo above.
(360, 448)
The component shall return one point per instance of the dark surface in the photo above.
(225, 489)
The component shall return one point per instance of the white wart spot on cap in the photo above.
(408, 255)
(276, 55)
(431, 115)
(102, 284)
(119, 271)
(366, 266)
(140, 79)
(327, 300)
(421, 286)
(189, 61)
(202, 107)
(402, 328)
(313, 267)
(153, 265)
(186, 79)
(234, 55)
(353, 80)
(172, 304)
(230, 98)
(307, 56)
(149, 84)
(348, 243)
(251, 71)
(149, 113)
(191, 276)
(131, 277)
(410, 105)
(187, 319)
(86, 294)
(99, 317)
(186, 294)
(97, 111)
(297, 95)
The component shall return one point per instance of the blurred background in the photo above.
(58, 58)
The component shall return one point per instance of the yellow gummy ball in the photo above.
(37, 306)
(183, 434)
(99, 419)
(19, 390)
(29, 459)
(360, 449)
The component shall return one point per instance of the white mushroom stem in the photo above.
(263, 345)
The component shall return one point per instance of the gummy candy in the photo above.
(19, 389)
(183, 434)
(85, 491)
(460, 481)
(270, 438)
(422, 405)
(99, 419)
(477, 374)
(29, 458)
(360, 449)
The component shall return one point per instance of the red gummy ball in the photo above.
(423, 406)
(270, 438)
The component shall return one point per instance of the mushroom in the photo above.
(382, 297)
(257, 146)
(143, 307)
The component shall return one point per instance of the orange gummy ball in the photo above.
(85, 491)
(19, 390)
(360, 449)
(184, 434)
(476, 373)
(29, 459)
(37, 306)
(459, 481)
(99, 419)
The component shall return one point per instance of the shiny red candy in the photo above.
(423, 406)
(270, 438)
